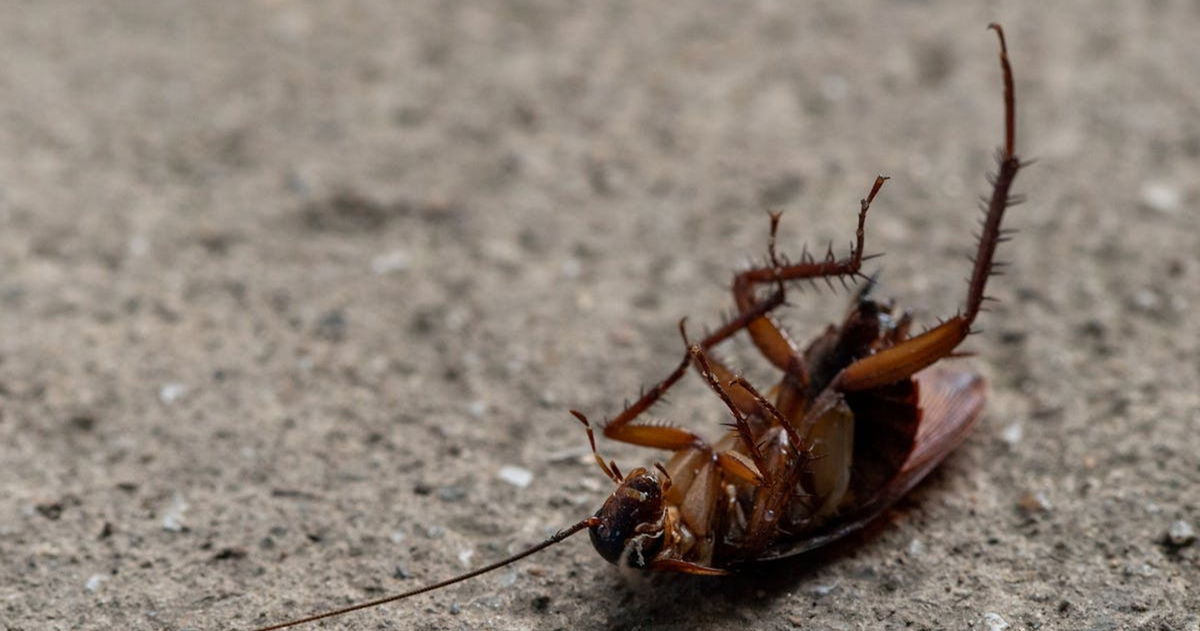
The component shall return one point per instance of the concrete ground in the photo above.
(294, 295)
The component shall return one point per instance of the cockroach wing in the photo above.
(950, 401)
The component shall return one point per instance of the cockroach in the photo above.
(859, 417)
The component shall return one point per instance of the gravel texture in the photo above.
(296, 296)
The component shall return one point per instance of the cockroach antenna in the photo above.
(555, 538)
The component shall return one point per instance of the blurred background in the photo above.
(295, 296)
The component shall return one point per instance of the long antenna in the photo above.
(555, 538)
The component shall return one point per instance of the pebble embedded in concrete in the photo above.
(1180, 534)
(171, 392)
(823, 590)
(516, 476)
(1013, 434)
(1035, 502)
(1163, 197)
(173, 517)
(394, 261)
(994, 622)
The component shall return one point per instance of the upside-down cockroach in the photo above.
(859, 417)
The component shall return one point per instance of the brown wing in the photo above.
(950, 402)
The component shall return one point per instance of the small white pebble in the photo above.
(396, 536)
(1035, 502)
(516, 476)
(1013, 434)
(171, 392)
(477, 408)
(916, 548)
(1162, 197)
(994, 622)
(1143, 570)
(394, 261)
(465, 556)
(1181, 533)
(94, 581)
(173, 517)
(1146, 300)
(823, 590)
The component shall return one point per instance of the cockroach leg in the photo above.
(656, 436)
(741, 423)
(910, 356)
(767, 335)
(666, 477)
(683, 567)
(712, 364)
(742, 399)
(769, 410)
(622, 429)
(741, 468)
(829, 429)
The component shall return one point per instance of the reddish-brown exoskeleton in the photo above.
(860, 416)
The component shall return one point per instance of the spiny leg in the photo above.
(742, 399)
(741, 423)
(770, 339)
(622, 429)
(910, 356)
(770, 410)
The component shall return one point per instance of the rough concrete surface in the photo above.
(286, 285)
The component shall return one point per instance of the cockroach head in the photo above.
(631, 520)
